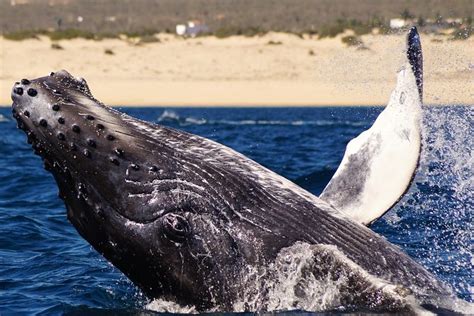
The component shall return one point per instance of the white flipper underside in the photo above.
(378, 165)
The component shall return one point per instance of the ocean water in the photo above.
(47, 268)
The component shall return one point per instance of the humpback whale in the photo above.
(194, 222)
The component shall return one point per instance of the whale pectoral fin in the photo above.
(379, 164)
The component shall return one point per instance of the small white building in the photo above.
(454, 21)
(397, 23)
(181, 29)
(18, 2)
(192, 28)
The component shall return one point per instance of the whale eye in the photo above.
(176, 227)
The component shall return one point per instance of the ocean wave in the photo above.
(433, 221)
(3, 119)
(172, 117)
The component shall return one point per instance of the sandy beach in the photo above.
(272, 70)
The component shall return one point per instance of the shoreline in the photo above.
(274, 70)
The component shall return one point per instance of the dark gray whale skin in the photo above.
(180, 215)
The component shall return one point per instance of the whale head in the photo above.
(143, 205)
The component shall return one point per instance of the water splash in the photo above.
(163, 306)
(433, 221)
(447, 186)
(321, 278)
(448, 154)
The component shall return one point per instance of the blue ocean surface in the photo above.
(47, 268)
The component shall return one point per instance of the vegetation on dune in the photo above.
(23, 35)
(56, 46)
(56, 35)
(148, 39)
(227, 31)
(271, 42)
(67, 34)
(141, 20)
(463, 31)
(70, 34)
(359, 28)
(352, 40)
(139, 33)
(143, 17)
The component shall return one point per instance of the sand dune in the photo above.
(275, 69)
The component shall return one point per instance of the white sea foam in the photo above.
(172, 117)
(163, 306)
(3, 119)
(168, 115)
(447, 166)
(451, 145)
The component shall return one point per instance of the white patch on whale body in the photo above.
(378, 165)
